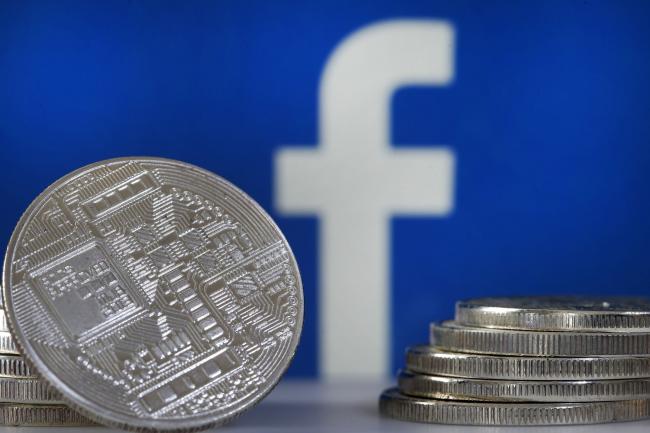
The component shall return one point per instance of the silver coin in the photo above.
(396, 405)
(27, 390)
(40, 415)
(14, 366)
(456, 338)
(460, 388)
(557, 313)
(7, 344)
(429, 360)
(158, 284)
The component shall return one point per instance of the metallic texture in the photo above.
(14, 366)
(429, 360)
(40, 416)
(457, 388)
(557, 313)
(399, 406)
(154, 295)
(3, 321)
(7, 345)
(456, 338)
(27, 390)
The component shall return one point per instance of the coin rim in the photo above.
(421, 409)
(3, 319)
(23, 418)
(34, 390)
(457, 333)
(417, 358)
(93, 410)
(477, 312)
(8, 346)
(9, 359)
(527, 391)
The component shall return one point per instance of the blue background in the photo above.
(548, 116)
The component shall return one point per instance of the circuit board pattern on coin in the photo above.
(162, 285)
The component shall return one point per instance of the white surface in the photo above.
(355, 181)
(304, 407)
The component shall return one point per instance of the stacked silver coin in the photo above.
(530, 361)
(26, 399)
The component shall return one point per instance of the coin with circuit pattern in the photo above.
(557, 313)
(153, 294)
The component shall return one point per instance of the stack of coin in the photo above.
(530, 361)
(25, 399)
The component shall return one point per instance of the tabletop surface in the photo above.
(304, 407)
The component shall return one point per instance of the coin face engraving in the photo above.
(153, 294)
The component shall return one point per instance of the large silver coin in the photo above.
(557, 313)
(154, 295)
(429, 360)
(40, 415)
(396, 405)
(460, 388)
(27, 390)
(456, 338)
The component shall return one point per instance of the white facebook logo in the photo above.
(354, 181)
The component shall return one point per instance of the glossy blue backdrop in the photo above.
(549, 117)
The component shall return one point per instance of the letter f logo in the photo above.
(355, 181)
